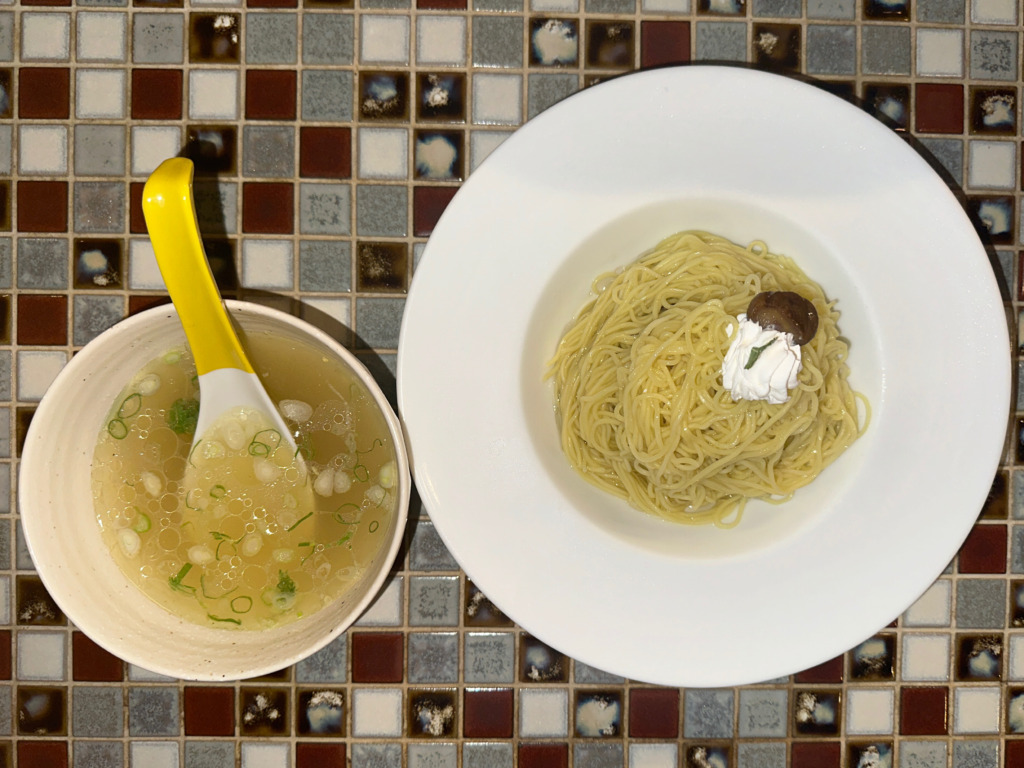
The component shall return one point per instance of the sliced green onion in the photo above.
(218, 491)
(264, 442)
(295, 525)
(117, 429)
(239, 608)
(339, 514)
(374, 525)
(175, 581)
(227, 620)
(206, 594)
(130, 406)
(142, 523)
(361, 477)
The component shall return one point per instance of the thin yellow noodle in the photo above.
(642, 408)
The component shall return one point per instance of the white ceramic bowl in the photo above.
(55, 501)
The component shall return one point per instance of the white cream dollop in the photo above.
(773, 373)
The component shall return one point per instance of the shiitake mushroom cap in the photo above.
(786, 312)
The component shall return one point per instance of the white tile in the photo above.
(153, 754)
(1016, 653)
(100, 93)
(926, 657)
(45, 36)
(143, 272)
(267, 264)
(653, 756)
(102, 36)
(869, 711)
(213, 94)
(41, 655)
(992, 164)
(441, 40)
(384, 40)
(994, 11)
(383, 153)
(151, 145)
(376, 712)
(386, 610)
(43, 149)
(36, 371)
(482, 143)
(339, 311)
(265, 755)
(933, 608)
(560, 6)
(138, 674)
(940, 52)
(665, 6)
(543, 713)
(976, 710)
(498, 99)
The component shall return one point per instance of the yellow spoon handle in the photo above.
(170, 213)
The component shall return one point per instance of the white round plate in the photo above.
(589, 185)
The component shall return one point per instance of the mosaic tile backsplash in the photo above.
(328, 136)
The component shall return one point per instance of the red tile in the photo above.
(136, 219)
(428, 203)
(138, 304)
(939, 108)
(271, 3)
(44, 92)
(5, 206)
(984, 551)
(156, 94)
(42, 754)
(325, 153)
(313, 755)
(654, 713)
(91, 663)
(664, 42)
(442, 5)
(923, 711)
(830, 671)
(543, 756)
(378, 657)
(42, 320)
(5, 654)
(209, 711)
(488, 713)
(64, 3)
(1014, 753)
(42, 206)
(270, 94)
(814, 754)
(267, 208)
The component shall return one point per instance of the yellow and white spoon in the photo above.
(227, 380)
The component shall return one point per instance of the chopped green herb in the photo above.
(218, 491)
(244, 604)
(228, 620)
(117, 429)
(265, 442)
(285, 583)
(175, 581)
(183, 415)
(756, 353)
(295, 525)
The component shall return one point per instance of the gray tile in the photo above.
(97, 711)
(610, 6)
(5, 262)
(5, 381)
(831, 49)
(427, 552)
(584, 673)
(99, 206)
(434, 601)
(941, 11)
(5, 435)
(378, 321)
(433, 657)
(209, 754)
(7, 36)
(486, 755)
(763, 712)
(99, 150)
(268, 151)
(721, 41)
(100, 754)
(326, 95)
(98, 3)
(325, 209)
(158, 38)
(950, 155)
(93, 315)
(1017, 549)
(707, 714)
(786, 9)
(5, 148)
(831, 9)
(993, 55)
(980, 603)
(497, 41)
(545, 90)
(327, 38)
(508, 6)
(272, 38)
(5, 528)
(325, 265)
(975, 754)
(43, 263)
(385, 4)
(5, 711)
(382, 210)
(376, 755)
(489, 657)
(22, 559)
(885, 50)
(328, 665)
(216, 206)
(586, 755)
(1017, 500)
(433, 755)
(922, 754)
(761, 755)
(153, 712)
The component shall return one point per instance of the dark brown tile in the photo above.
(488, 713)
(923, 711)
(939, 108)
(23, 420)
(280, 676)
(480, 611)
(93, 664)
(267, 208)
(34, 605)
(42, 320)
(428, 203)
(325, 152)
(597, 714)
(702, 755)
(978, 658)
(213, 38)
(777, 46)
(441, 96)
(310, 754)
(156, 94)
(664, 42)
(432, 713)
(98, 263)
(887, 10)
(993, 110)
(209, 711)
(328, 4)
(722, 7)
(438, 155)
(874, 659)
(888, 102)
(5, 205)
(609, 44)
(984, 551)
(136, 219)
(276, 3)
(220, 254)
(384, 95)
(994, 217)
(808, 754)
(830, 671)
(654, 713)
(997, 503)
(44, 93)
(382, 267)
(140, 303)
(876, 753)
(5, 654)
(270, 94)
(321, 713)
(51, 3)
(42, 711)
(42, 754)
(1014, 753)
(6, 94)
(554, 42)
(42, 206)
(213, 148)
(540, 663)
(441, 5)
(543, 755)
(263, 711)
(817, 712)
(158, 3)
(377, 657)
